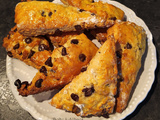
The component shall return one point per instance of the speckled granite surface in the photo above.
(149, 109)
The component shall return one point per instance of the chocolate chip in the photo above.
(64, 51)
(25, 83)
(75, 97)
(43, 70)
(119, 54)
(42, 47)
(50, 14)
(113, 18)
(9, 53)
(76, 109)
(128, 46)
(28, 40)
(38, 83)
(105, 113)
(31, 53)
(82, 57)
(49, 62)
(92, 1)
(78, 27)
(16, 46)
(15, 30)
(93, 14)
(43, 14)
(81, 10)
(83, 69)
(74, 41)
(55, 10)
(17, 83)
(88, 91)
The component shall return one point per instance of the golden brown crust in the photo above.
(27, 49)
(40, 17)
(64, 64)
(92, 91)
(131, 41)
(99, 8)
(59, 39)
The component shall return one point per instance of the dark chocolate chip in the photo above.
(113, 18)
(17, 83)
(15, 30)
(55, 10)
(105, 113)
(25, 83)
(81, 10)
(31, 53)
(49, 62)
(50, 14)
(9, 53)
(93, 14)
(76, 109)
(119, 54)
(78, 27)
(43, 70)
(88, 91)
(82, 57)
(128, 46)
(16, 46)
(28, 40)
(38, 83)
(74, 41)
(75, 97)
(20, 53)
(92, 1)
(64, 51)
(42, 47)
(43, 14)
(83, 69)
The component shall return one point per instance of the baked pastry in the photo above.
(93, 91)
(105, 10)
(130, 44)
(43, 17)
(60, 38)
(34, 51)
(64, 64)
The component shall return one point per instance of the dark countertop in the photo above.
(148, 10)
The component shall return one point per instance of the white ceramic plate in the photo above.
(38, 105)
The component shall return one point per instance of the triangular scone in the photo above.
(34, 51)
(92, 91)
(64, 64)
(42, 17)
(102, 9)
(130, 43)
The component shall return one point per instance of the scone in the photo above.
(93, 91)
(130, 46)
(105, 10)
(42, 17)
(64, 64)
(34, 51)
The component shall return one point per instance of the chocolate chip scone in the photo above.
(130, 44)
(93, 91)
(64, 64)
(34, 51)
(102, 9)
(41, 17)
